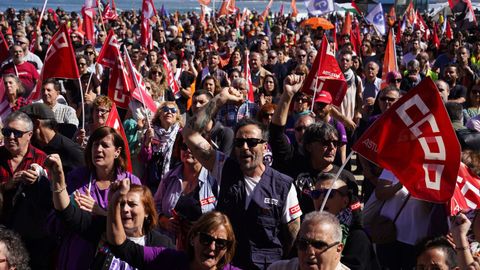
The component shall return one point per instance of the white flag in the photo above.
(377, 19)
(319, 7)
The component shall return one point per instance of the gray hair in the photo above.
(318, 218)
(19, 116)
(16, 253)
(414, 63)
(238, 81)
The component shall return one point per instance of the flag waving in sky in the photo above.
(319, 7)
(376, 18)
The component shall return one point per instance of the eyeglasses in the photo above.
(156, 73)
(302, 244)
(206, 240)
(266, 114)
(334, 143)
(7, 132)
(251, 142)
(89, 53)
(272, 57)
(167, 109)
(300, 128)
(389, 99)
(321, 193)
(102, 111)
(302, 55)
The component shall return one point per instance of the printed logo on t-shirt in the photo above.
(294, 209)
(270, 201)
(208, 200)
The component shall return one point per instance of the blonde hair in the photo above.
(178, 117)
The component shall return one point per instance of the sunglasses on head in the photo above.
(302, 244)
(206, 240)
(321, 193)
(167, 109)
(7, 132)
(251, 142)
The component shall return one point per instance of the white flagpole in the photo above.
(83, 103)
(334, 180)
(41, 14)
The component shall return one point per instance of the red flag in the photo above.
(355, 39)
(110, 12)
(467, 192)
(423, 26)
(398, 37)
(410, 12)
(347, 25)
(357, 9)
(204, 2)
(390, 59)
(110, 52)
(148, 13)
(415, 140)
(334, 34)
(248, 77)
(59, 61)
(88, 15)
(227, 8)
(293, 5)
(325, 74)
(115, 122)
(120, 85)
(264, 14)
(170, 76)
(4, 53)
(140, 92)
(448, 31)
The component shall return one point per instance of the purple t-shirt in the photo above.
(342, 134)
(164, 258)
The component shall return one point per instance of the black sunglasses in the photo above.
(388, 99)
(167, 109)
(7, 132)
(300, 128)
(251, 142)
(302, 244)
(206, 240)
(318, 193)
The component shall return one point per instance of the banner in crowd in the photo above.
(172, 82)
(325, 74)
(467, 192)
(376, 18)
(415, 140)
(114, 121)
(60, 61)
(319, 7)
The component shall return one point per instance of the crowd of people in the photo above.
(219, 180)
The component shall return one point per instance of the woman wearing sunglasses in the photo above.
(157, 150)
(211, 242)
(358, 250)
(184, 194)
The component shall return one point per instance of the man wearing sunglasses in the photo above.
(261, 202)
(25, 189)
(319, 245)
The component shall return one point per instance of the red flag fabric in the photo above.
(110, 52)
(293, 5)
(398, 37)
(325, 74)
(227, 8)
(148, 13)
(334, 34)
(248, 77)
(204, 2)
(423, 26)
(119, 86)
(4, 53)
(467, 192)
(415, 140)
(280, 12)
(140, 91)
(410, 12)
(448, 31)
(88, 15)
(110, 12)
(392, 16)
(170, 76)
(389, 60)
(115, 122)
(60, 61)
(347, 24)
(264, 14)
(355, 39)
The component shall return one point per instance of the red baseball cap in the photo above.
(323, 97)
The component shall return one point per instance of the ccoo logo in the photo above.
(378, 18)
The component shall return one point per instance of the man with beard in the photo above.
(214, 70)
(260, 201)
(25, 71)
(317, 154)
(458, 92)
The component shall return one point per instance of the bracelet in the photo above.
(462, 248)
(59, 190)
